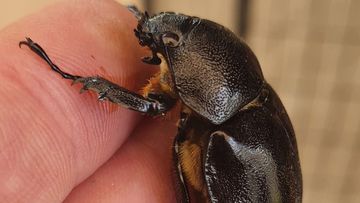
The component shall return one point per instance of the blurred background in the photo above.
(310, 53)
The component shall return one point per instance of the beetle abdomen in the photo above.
(252, 157)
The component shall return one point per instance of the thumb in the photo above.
(52, 138)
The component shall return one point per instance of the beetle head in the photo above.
(162, 31)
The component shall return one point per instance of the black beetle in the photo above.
(235, 142)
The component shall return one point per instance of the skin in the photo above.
(59, 146)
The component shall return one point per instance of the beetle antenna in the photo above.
(138, 14)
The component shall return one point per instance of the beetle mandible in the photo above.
(235, 141)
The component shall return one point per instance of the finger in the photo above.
(141, 171)
(51, 137)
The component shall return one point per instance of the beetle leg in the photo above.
(40, 51)
(152, 104)
(182, 190)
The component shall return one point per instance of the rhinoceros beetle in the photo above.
(235, 142)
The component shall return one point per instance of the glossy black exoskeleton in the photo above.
(235, 142)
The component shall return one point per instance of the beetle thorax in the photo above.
(214, 72)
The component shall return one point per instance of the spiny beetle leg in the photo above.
(116, 94)
(105, 88)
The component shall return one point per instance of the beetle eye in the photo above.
(170, 39)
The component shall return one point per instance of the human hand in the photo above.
(57, 145)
